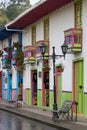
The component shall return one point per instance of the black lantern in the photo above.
(64, 48)
(43, 48)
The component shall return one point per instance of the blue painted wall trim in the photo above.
(9, 87)
(3, 76)
(9, 41)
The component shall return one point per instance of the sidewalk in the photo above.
(44, 116)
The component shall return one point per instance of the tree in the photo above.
(3, 17)
(16, 7)
(11, 9)
(3, 20)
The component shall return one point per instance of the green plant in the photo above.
(16, 45)
(7, 63)
(8, 60)
(19, 57)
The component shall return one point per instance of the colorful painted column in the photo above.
(3, 75)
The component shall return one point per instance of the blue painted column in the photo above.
(19, 77)
(9, 83)
(3, 85)
(9, 86)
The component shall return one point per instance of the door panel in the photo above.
(45, 88)
(78, 84)
(34, 87)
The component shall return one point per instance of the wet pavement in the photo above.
(44, 116)
(9, 121)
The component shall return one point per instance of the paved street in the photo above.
(44, 116)
(9, 121)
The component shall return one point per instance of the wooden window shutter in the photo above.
(33, 35)
(78, 13)
(46, 29)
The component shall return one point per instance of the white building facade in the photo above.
(64, 21)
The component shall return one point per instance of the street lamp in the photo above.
(64, 51)
(64, 48)
(43, 49)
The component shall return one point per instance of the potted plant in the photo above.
(61, 68)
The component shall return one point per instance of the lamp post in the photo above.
(64, 51)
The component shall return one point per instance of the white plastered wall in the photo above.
(14, 71)
(27, 41)
(84, 48)
(61, 20)
(14, 38)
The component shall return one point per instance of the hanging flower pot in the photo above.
(60, 68)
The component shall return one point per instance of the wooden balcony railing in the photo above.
(29, 54)
(73, 38)
(38, 44)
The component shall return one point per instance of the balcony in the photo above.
(38, 52)
(73, 38)
(29, 54)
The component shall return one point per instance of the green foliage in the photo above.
(16, 7)
(3, 20)
(19, 57)
(11, 9)
(7, 63)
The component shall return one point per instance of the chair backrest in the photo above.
(67, 105)
(15, 97)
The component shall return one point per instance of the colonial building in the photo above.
(51, 22)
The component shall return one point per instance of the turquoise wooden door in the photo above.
(59, 90)
(78, 85)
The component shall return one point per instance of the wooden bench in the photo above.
(64, 111)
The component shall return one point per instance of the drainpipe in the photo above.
(18, 30)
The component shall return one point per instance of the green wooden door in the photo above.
(59, 90)
(78, 75)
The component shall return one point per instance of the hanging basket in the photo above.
(60, 68)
